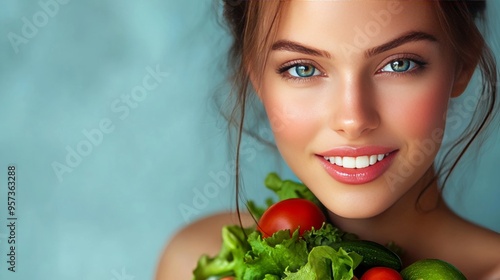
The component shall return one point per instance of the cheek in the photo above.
(293, 119)
(421, 113)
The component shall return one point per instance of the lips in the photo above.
(357, 165)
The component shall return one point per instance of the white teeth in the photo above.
(349, 162)
(338, 161)
(362, 162)
(356, 162)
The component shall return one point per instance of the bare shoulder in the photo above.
(493, 274)
(484, 246)
(201, 237)
(473, 249)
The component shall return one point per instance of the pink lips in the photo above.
(356, 176)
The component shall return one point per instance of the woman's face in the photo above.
(356, 93)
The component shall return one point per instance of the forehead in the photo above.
(333, 25)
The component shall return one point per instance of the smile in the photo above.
(359, 165)
(356, 162)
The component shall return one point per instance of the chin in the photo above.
(363, 209)
(358, 213)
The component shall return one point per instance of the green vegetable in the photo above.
(274, 255)
(374, 254)
(256, 210)
(284, 189)
(229, 261)
(327, 235)
(325, 263)
(278, 256)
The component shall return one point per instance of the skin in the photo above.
(356, 100)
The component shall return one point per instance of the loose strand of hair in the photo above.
(237, 164)
(489, 79)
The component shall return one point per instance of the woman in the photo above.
(356, 93)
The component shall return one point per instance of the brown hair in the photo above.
(253, 24)
(458, 18)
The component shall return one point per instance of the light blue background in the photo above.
(110, 217)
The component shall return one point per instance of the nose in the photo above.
(355, 111)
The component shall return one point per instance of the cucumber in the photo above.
(374, 254)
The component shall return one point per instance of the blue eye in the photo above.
(400, 66)
(303, 71)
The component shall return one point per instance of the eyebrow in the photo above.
(285, 45)
(412, 36)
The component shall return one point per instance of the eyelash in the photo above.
(282, 70)
(419, 66)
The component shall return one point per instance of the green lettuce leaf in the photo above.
(274, 255)
(325, 263)
(247, 256)
(284, 189)
(326, 236)
(271, 277)
(258, 211)
(230, 260)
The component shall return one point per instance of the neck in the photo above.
(400, 222)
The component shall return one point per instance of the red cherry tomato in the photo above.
(291, 214)
(381, 273)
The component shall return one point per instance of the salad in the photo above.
(293, 240)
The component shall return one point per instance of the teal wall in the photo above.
(107, 112)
